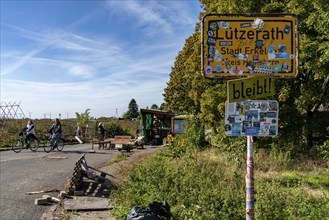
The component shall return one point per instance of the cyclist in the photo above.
(56, 130)
(30, 131)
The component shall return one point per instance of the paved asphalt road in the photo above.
(29, 171)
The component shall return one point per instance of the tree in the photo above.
(179, 96)
(133, 110)
(162, 106)
(83, 118)
(301, 100)
(154, 106)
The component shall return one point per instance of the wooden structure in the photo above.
(10, 110)
(122, 142)
(108, 145)
(82, 170)
(155, 125)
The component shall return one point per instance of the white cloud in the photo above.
(101, 70)
(20, 62)
(154, 16)
(82, 70)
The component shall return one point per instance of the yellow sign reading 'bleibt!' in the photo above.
(250, 88)
(249, 45)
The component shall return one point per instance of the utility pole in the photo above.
(116, 113)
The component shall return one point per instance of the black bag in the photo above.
(139, 213)
(154, 211)
(161, 209)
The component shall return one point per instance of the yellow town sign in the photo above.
(236, 46)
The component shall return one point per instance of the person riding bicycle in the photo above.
(56, 129)
(30, 131)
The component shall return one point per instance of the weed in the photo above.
(206, 185)
(272, 159)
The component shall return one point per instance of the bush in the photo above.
(113, 129)
(235, 147)
(195, 133)
(323, 150)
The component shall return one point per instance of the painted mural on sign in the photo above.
(252, 118)
(237, 46)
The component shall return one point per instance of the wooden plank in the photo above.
(78, 139)
(122, 139)
(43, 191)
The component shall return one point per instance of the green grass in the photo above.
(206, 185)
(318, 180)
(291, 178)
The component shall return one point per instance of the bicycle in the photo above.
(54, 142)
(20, 143)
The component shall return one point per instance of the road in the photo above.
(29, 171)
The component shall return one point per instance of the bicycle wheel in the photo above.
(48, 146)
(34, 145)
(60, 144)
(17, 146)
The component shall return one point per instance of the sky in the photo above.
(61, 57)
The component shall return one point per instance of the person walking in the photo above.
(101, 135)
(78, 129)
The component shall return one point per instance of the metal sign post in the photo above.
(250, 182)
(251, 118)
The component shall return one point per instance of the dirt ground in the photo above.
(57, 212)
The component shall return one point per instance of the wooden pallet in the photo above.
(81, 170)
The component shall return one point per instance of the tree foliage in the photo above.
(154, 106)
(133, 110)
(83, 117)
(162, 106)
(303, 100)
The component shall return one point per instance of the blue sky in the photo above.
(62, 57)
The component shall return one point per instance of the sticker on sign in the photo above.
(252, 118)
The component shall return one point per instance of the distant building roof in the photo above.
(157, 112)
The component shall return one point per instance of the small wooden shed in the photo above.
(155, 125)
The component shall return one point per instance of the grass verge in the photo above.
(206, 185)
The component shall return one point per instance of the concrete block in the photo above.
(62, 194)
(41, 201)
(55, 200)
(47, 197)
